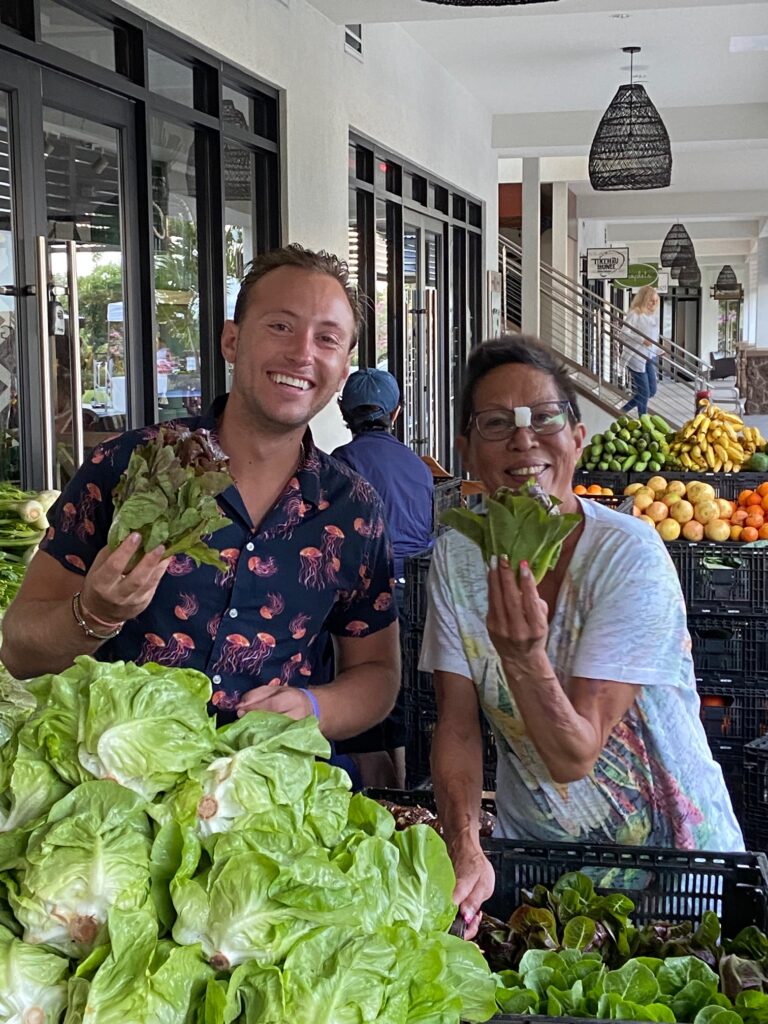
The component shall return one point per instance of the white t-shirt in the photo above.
(620, 616)
(636, 351)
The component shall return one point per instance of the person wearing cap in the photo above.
(370, 405)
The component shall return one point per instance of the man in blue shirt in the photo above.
(370, 405)
(307, 551)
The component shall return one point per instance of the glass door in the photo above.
(425, 371)
(65, 317)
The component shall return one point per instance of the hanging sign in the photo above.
(607, 263)
(638, 275)
(662, 283)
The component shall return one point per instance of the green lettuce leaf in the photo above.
(90, 855)
(32, 982)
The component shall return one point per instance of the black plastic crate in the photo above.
(420, 719)
(729, 649)
(726, 485)
(618, 502)
(725, 712)
(447, 494)
(603, 478)
(667, 885)
(756, 794)
(416, 572)
(722, 579)
(729, 754)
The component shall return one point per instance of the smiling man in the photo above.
(307, 551)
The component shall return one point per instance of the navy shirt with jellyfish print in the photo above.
(319, 562)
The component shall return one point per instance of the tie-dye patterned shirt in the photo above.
(320, 561)
(620, 616)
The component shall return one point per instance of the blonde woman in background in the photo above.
(640, 340)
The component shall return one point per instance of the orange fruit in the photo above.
(763, 488)
(739, 515)
(597, 489)
(748, 534)
(736, 532)
(579, 489)
(754, 499)
(755, 519)
(762, 533)
(764, 503)
(744, 496)
(607, 491)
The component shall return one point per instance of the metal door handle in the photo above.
(18, 291)
(75, 376)
(49, 442)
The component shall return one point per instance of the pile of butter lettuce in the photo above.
(167, 494)
(525, 525)
(157, 870)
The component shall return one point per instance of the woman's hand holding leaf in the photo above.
(475, 880)
(517, 616)
(114, 595)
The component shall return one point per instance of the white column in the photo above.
(560, 226)
(761, 313)
(531, 313)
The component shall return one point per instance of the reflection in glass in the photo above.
(411, 355)
(170, 78)
(84, 207)
(64, 28)
(382, 286)
(353, 260)
(10, 468)
(239, 227)
(233, 100)
(177, 307)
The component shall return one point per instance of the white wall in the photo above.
(709, 312)
(397, 95)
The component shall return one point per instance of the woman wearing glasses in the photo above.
(586, 679)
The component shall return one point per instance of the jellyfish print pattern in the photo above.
(262, 566)
(293, 507)
(187, 607)
(383, 601)
(85, 526)
(357, 627)
(297, 627)
(212, 626)
(226, 577)
(361, 490)
(273, 606)
(241, 656)
(311, 568)
(289, 669)
(180, 565)
(225, 701)
(68, 514)
(151, 649)
(177, 650)
(333, 541)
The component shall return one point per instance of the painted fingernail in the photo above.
(134, 538)
(468, 915)
(505, 561)
(494, 562)
(524, 570)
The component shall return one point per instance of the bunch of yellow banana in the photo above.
(715, 440)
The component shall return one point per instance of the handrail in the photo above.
(585, 328)
(696, 365)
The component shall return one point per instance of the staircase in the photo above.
(583, 328)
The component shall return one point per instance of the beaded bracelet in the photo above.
(77, 611)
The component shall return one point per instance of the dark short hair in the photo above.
(515, 349)
(295, 255)
(365, 418)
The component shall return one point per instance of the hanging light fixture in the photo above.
(685, 258)
(487, 3)
(631, 148)
(690, 276)
(726, 280)
(677, 240)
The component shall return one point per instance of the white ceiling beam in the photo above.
(372, 11)
(629, 206)
(567, 132)
(651, 230)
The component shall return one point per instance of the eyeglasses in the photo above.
(542, 418)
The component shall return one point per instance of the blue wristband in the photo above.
(312, 701)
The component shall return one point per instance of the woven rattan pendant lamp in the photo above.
(676, 242)
(726, 280)
(631, 148)
(690, 276)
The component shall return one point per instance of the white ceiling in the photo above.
(548, 70)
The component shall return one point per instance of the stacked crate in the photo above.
(726, 594)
